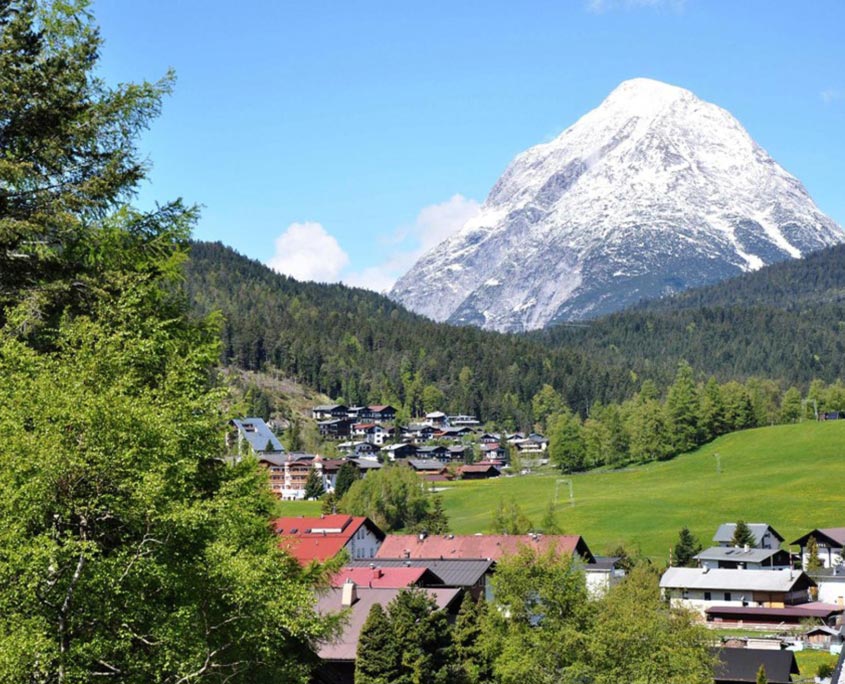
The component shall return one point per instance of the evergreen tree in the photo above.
(650, 438)
(436, 522)
(329, 503)
(761, 675)
(712, 410)
(314, 485)
(473, 664)
(813, 561)
(423, 637)
(686, 548)
(347, 475)
(739, 413)
(378, 658)
(549, 523)
(682, 407)
(743, 535)
(509, 518)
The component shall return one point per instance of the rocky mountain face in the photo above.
(653, 192)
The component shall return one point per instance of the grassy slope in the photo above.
(789, 476)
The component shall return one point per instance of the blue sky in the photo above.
(336, 140)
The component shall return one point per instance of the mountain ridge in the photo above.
(652, 192)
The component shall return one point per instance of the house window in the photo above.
(706, 595)
(727, 596)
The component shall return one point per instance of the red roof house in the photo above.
(321, 538)
(492, 546)
(386, 578)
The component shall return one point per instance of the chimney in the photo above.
(349, 593)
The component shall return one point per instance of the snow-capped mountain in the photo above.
(652, 192)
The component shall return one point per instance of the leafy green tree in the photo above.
(686, 548)
(378, 658)
(761, 675)
(597, 442)
(790, 406)
(650, 438)
(433, 398)
(541, 628)
(682, 406)
(314, 485)
(546, 402)
(743, 535)
(130, 550)
(509, 518)
(392, 497)
(813, 561)
(566, 443)
(347, 475)
(639, 638)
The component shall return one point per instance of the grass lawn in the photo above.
(790, 476)
(809, 661)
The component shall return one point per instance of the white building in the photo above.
(702, 588)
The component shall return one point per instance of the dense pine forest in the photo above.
(784, 323)
(360, 346)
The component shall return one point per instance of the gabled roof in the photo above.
(258, 434)
(734, 580)
(381, 408)
(453, 572)
(384, 578)
(833, 536)
(327, 408)
(426, 464)
(479, 546)
(345, 645)
(319, 538)
(478, 468)
(802, 611)
(739, 555)
(742, 664)
(725, 532)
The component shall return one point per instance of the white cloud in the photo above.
(602, 6)
(305, 251)
(829, 95)
(432, 226)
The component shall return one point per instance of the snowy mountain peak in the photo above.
(653, 191)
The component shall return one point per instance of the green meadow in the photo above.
(790, 476)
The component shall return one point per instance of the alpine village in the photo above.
(592, 434)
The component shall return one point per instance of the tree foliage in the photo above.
(686, 548)
(395, 499)
(131, 551)
(743, 536)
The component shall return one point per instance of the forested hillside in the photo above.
(785, 322)
(361, 346)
